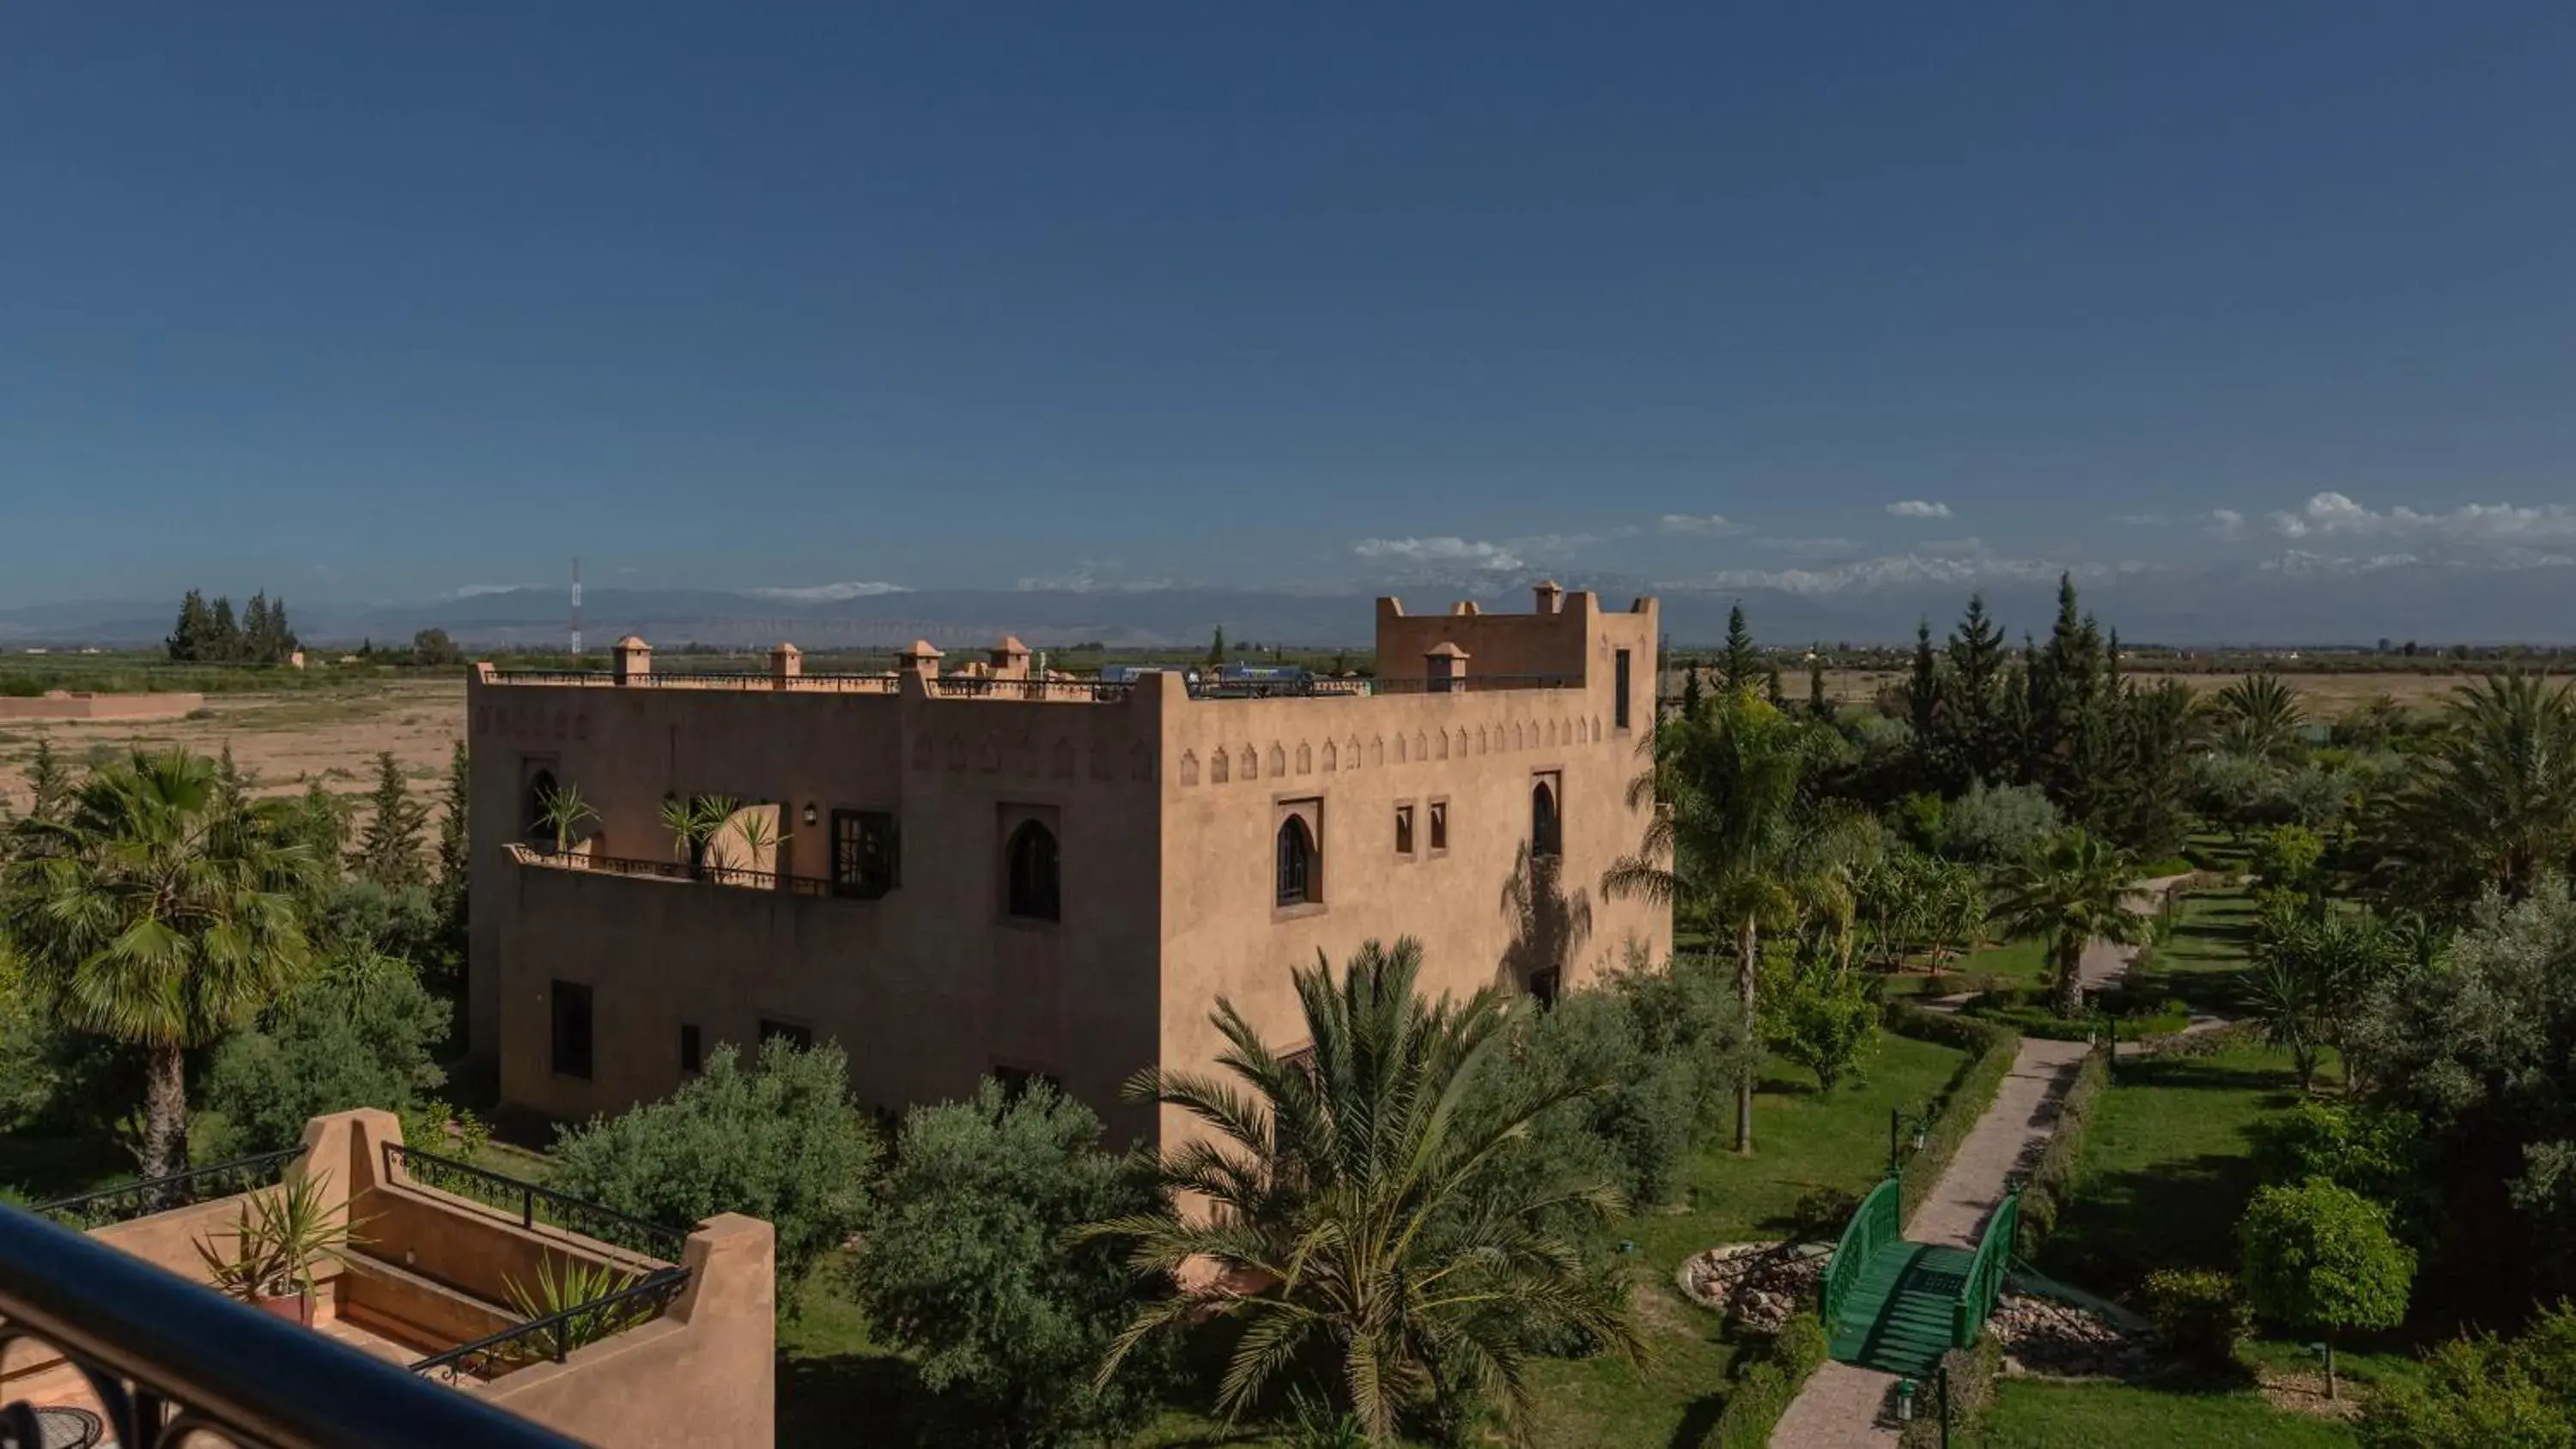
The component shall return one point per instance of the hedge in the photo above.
(1971, 1373)
(2052, 1178)
(1763, 1392)
(1971, 1090)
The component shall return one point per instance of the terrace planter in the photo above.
(296, 1308)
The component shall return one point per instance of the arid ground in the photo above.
(284, 741)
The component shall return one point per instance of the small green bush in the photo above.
(19, 686)
(2200, 1315)
(1764, 1391)
(1971, 1373)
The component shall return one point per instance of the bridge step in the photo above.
(1899, 1317)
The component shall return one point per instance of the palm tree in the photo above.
(2310, 974)
(1353, 1207)
(2259, 716)
(1731, 836)
(2495, 805)
(563, 811)
(162, 913)
(2072, 890)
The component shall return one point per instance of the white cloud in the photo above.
(1551, 543)
(1474, 553)
(1805, 547)
(1901, 569)
(476, 591)
(1698, 525)
(2335, 515)
(828, 593)
(1919, 508)
(2227, 523)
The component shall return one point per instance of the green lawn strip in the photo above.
(1805, 1140)
(2201, 961)
(2167, 1168)
(2008, 964)
(2030, 1414)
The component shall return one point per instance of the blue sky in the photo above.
(362, 301)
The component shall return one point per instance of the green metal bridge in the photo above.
(1897, 1306)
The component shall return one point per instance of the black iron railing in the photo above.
(164, 1356)
(555, 1335)
(738, 877)
(977, 686)
(176, 1190)
(536, 1205)
(706, 679)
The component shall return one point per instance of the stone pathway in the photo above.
(1845, 1405)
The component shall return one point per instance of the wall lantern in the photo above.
(809, 813)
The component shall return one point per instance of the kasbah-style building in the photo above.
(982, 870)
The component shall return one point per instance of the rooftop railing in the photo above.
(534, 1205)
(174, 1190)
(735, 876)
(168, 1361)
(555, 1335)
(1079, 691)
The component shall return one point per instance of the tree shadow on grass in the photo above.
(1698, 1418)
(850, 1398)
(2124, 1225)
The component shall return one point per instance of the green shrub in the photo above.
(778, 1140)
(2053, 1178)
(19, 686)
(2377, 1152)
(2319, 1258)
(1969, 1375)
(2482, 1391)
(1763, 1393)
(2200, 1315)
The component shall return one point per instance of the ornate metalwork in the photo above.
(557, 1334)
(536, 1205)
(176, 1190)
(163, 1359)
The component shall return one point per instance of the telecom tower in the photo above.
(576, 608)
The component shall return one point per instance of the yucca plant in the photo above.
(693, 820)
(575, 1288)
(563, 811)
(279, 1237)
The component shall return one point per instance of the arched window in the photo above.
(541, 788)
(1297, 862)
(1035, 891)
(1547, 840)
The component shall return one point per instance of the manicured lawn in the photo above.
(2167, 1168)
(2200, 963)
(2008, 964)
(1804, 1141)
(2034, 1415)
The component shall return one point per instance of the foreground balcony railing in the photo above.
(738, 877)
(171, 1362)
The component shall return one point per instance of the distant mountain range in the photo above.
(2276, 603)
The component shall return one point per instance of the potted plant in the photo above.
(693, 820)
(279, 1237)
(562, 812)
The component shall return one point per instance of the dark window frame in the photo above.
(1547, 820)
(1439, 827)
(1299, 865)
(1624, 676)
(1405, 838)
(567, 1003)
(867, 854)
(1033, 872)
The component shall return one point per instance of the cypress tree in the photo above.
(1743, 664)
(1976, 705)
(187, 641)
(1818, 704)
(1216, 646)
(255, 640)
(1690, 690)
(223, 635)
(388, 850)
(1923, 712)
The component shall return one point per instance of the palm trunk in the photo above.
(165, 1112)
(1749, 949)
(2070, 979)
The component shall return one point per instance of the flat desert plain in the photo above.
(283, 741)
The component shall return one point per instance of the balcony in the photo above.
(434, 1320)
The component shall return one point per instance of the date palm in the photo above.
(1732, 835)
(1352, 1203)
(2071, 891)
(161, 911)
(2259, 716)
(2495, 805)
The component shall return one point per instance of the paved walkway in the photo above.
(1846, 1405)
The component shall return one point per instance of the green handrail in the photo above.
(1985, 1280)
(1874, 1225)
